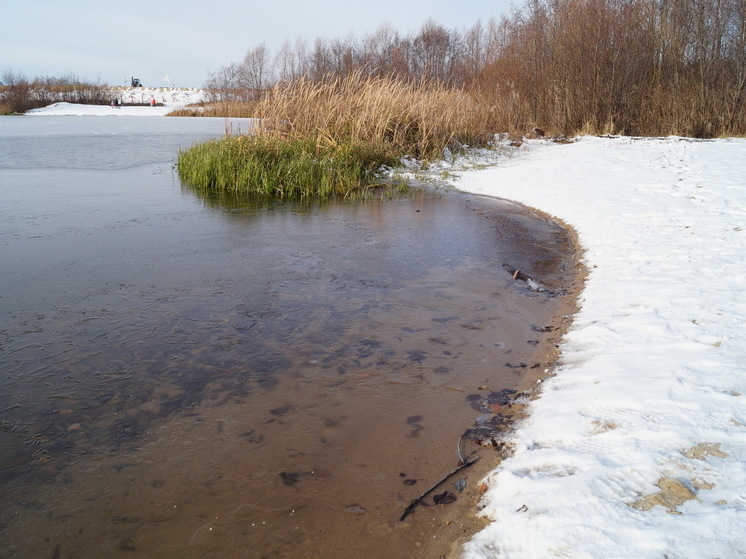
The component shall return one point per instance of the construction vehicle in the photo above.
(135, 82)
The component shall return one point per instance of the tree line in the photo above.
(18, 94)
(435, 53)
(639, 67)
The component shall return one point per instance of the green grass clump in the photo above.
(285, 168)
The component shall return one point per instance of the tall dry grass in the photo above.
(415, 118)
(217, 109)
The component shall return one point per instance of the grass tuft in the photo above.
(283, 168)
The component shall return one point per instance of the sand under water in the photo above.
(186, 376)
(312, 442)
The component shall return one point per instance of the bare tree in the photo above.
(379, 52)
(222, 85)
(474, 52)
(320, 60)
(291, 62)
(254, 74)
(433, 53)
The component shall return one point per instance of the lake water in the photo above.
(189, 375)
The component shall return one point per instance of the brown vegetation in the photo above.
(219, 109)
(642, 67)
(19, 94)
(338, 112)
(414, 118)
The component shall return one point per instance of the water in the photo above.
(186, 375)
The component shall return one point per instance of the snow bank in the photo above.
(637, 445)
(167, 99)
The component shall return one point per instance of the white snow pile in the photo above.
(167, 100)
(636, 447)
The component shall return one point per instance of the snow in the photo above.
(171, 99)
(636, 446)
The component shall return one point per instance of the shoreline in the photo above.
(462, 521)
(637, 441)
(551, 352)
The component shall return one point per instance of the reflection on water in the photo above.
(190, 377)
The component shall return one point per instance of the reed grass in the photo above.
(218, 109)
(419, 118)
(329, 138)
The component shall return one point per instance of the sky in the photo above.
(165, 43)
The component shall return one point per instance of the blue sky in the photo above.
(160, 40)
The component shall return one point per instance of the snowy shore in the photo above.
(167, 100)
(637, 445)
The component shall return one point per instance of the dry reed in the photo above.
(218, 109)
(414, 118)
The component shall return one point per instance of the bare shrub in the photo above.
(16, 94)
(646, 67)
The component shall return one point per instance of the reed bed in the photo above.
(217, 109)
(331, 137)
(416, 118)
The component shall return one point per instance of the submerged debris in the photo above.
(282, 410)
(493, 401)
(443, 498)
(291, 478)
(499, 411)
(520, 365)
(531, 283)
(414, 421)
